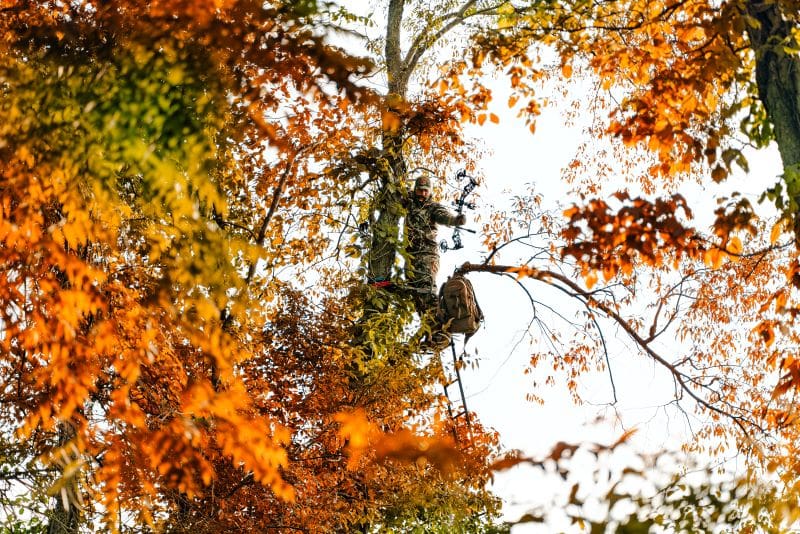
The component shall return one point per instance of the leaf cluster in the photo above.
(163, 176)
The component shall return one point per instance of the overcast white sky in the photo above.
(497, 389)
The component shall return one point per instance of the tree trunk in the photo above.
(385, 230)
(65, 515)
(778, 80)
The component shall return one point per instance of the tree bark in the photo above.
(385, 229)
(778, 81)
(65, 514)
(396, 71)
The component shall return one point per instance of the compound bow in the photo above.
(460, 204)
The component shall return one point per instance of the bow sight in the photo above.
(460, 204)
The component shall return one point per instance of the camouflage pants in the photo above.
(421, 276)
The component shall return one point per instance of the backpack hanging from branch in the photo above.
(458, 310)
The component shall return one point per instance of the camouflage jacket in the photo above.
(421, 221)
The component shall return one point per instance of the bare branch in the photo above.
(682, 381)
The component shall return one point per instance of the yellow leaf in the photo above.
(735, 246)
(780, 300)
(175, 76)
(494, 118)
(713, 258)
(25, 156)
(512, 100)
(505, 9)
(566, 70)
(776, 232)
(481, 118)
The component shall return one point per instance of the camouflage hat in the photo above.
(423, 182)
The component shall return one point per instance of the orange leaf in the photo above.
(609, 271)
(390, 121)
(780, 300)
(713, 258)
(625, 437)
(719, 174)
(569, 212)
(507, 463)
(776, 232)
(523, 271)
(766, 332)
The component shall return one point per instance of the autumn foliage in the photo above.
(163, 182)
(682, 91)
(193, 195)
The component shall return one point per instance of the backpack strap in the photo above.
(474, 298)
(440, 303)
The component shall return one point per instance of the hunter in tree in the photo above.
(422, 216)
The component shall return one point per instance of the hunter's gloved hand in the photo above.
(461, 219)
